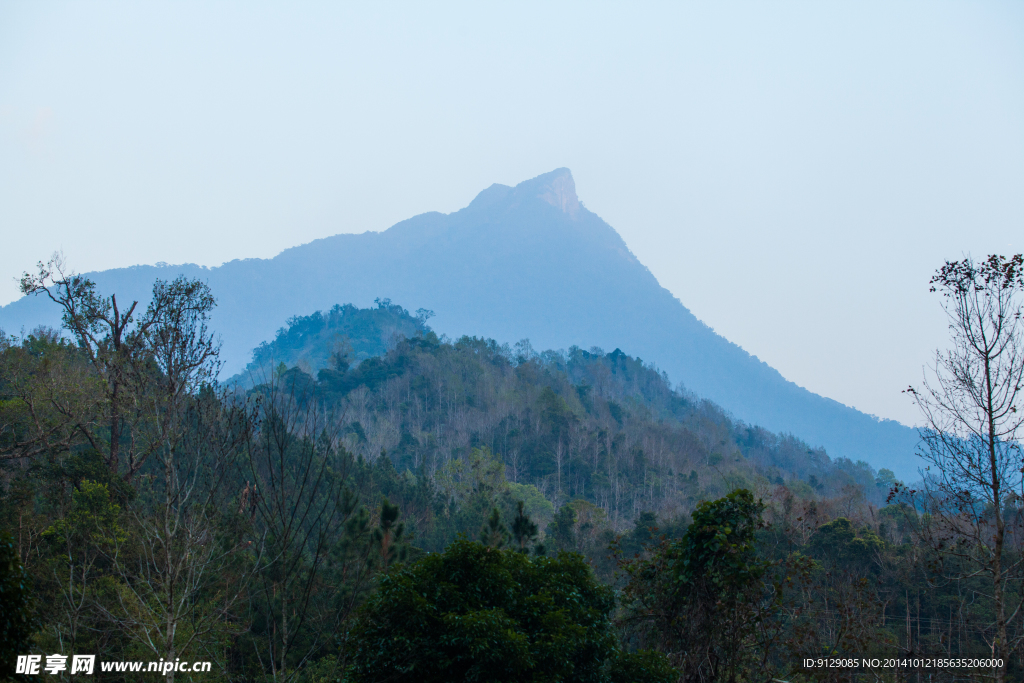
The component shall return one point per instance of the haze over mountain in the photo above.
(523, 262)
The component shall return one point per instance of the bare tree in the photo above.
(183, 575)
(972, 408)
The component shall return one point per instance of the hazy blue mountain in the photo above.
(519, 262)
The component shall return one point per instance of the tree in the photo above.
(50, 399)
(185, 567)
(174, 592)
(389, 536)
(15, 606)
(475, 612)
(148, 365)
(157, 373)
(493, 533)
(702, 599)
(562, 529)
(973, 415)
(108, 336)
(524, 530)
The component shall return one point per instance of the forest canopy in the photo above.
(284, 525)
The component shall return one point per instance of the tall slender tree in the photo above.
(972, 405)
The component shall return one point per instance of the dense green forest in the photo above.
(372, 501)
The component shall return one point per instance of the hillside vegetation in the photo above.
(372, 501)
(344, 334)
(577, 425)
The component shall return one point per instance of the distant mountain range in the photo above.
(528, 261)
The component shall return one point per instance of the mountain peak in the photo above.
(557, 188)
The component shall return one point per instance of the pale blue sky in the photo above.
(793, 172)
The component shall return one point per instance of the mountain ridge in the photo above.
(529, 261)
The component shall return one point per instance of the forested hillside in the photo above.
(504, 513)
(591, 426)
(345, 333)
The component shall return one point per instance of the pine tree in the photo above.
(494, 533)
(389, 536)
(524, 530)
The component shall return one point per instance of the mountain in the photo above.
(528, 261)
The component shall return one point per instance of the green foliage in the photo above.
(718, 553)
(78, 546)
(534, 502)
(644, 666)
(46, 389)
(648, 531)
(704, 596)
(94, 518)
(581, 425)
(479, 613)
(898, 522)
(841, 542)
(16, 623)
(317, 544)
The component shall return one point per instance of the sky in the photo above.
(792, 171)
